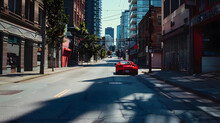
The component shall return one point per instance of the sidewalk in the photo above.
(28, 75)
(206, 85)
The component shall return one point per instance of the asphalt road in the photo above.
(94, 94)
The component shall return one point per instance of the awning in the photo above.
(174, 33)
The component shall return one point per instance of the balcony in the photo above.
(133, 1)
(133, 7)
(133, 14)
(133, 21)
(133, 27)
(133, 34)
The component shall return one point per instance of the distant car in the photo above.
(110, 56)
(127, 67)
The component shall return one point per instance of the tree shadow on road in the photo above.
(110, 99)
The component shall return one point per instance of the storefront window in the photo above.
(13, 52)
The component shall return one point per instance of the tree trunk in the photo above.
(52, 59)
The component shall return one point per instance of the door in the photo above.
(28, 56)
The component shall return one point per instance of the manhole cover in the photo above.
(9, 92)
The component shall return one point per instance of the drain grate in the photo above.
(9, 92)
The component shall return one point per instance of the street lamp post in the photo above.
(43, 38)
(150, 29)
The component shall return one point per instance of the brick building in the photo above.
(143, 39)
(20, 35)
(76, 10)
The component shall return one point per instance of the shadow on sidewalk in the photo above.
(19, 74)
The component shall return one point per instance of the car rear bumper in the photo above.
(126, 71)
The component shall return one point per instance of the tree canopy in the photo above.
(56, 22)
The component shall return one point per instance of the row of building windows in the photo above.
(15, 6)
(171, 5)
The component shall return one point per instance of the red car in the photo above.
(126, 67)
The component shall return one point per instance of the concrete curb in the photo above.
(52, 73)
(41, 75)
(186, 88)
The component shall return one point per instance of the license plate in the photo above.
(126, 71)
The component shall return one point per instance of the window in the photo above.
(125, 62)
(159, 20)
(1, 3)
(29, 10)
(202, 5)
(166, 8)
(182, 2)
(15, 6)
(40, 16)
(158, 39)
(174, 5)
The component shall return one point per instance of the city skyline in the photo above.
(111, 14)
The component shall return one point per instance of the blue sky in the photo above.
(111, 12)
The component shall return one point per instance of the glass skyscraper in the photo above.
(110, 31)
(124, 23)
(93, 13)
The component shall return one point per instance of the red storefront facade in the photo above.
(190, 35)
(205, 25)
(66, 52)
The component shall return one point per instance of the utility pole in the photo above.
(43, 29)
(150, 29)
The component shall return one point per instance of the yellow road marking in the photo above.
(62, 93)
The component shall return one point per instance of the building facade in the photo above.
(143, 39)
(20, 35)
(109, 42)
(176, 36)
(138, 9)
(76, 11)
(110, 31)
(205, 25)
(124, 32)
(118, 37)
(190, 35)
(93, 13)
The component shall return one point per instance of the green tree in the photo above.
(56, 23)
(88, 45)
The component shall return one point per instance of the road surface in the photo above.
(94, 94)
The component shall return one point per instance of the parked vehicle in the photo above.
(126, 67)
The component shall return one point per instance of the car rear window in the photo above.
(125, 62)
